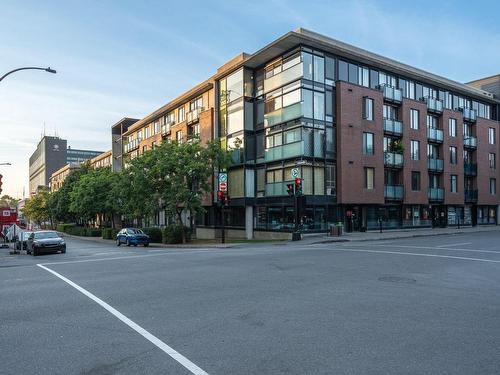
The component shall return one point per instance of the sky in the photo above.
(124, 58)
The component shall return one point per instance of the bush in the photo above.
(155, 234)
(173, 234)
(64, 227)
(109, 233)
(92, 232)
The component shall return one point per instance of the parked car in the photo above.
(132, 236)
(22, 240)
(45, 241)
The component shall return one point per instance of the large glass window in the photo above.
(343, 71)
(319, 105)
(234, 85)
(368, 143)
(363, 76)
(319, 69)
(452, 127)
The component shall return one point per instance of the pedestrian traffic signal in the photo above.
(290, 189)
(298, 187)
(220, 198)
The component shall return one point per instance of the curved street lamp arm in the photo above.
(49, 70)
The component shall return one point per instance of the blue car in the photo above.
(132, 236)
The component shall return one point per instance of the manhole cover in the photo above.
(397, 279)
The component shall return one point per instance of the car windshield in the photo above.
(43, 235)
(135, 231)
(25, 235)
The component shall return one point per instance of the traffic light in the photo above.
(1, 184)
(298, 187)
(290, 189)
(220, 198)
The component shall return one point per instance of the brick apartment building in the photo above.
(373, 139)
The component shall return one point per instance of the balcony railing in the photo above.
(392, 159)
(393, 127)
(287, 151)
(435, 194)
(392, 94)
(277, 188)
(434, 105)
(470, 169)
(282, 115)
(470, 141)
(393, 192)
(165, 128)
(131, 145)
(469, 114)
(435, 135)
(284, 77)
(435, 165)
(470, 196)
(194, 115)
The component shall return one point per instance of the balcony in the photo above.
(470, 141)
(434, 105)
(131, 145)
(435, 194)
(393, 192)
(290, 150)
(391, 94)
(435, 135)
(277, 188)
(470, 169)
(165, 128)
(435, 165)
(469, 114)
(194, 115)
(393, 160)
(286, 76)
(283, 114)
(470, 196)
(393, 127)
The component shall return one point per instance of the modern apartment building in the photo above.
(51, 154)
(373, 139)
(103, 160)
(117, 131)
(57, 178)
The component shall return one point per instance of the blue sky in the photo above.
(127, 58)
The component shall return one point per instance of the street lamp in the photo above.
(48, 70)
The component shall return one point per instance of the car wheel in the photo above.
(34, 252)
(63, 251)
(146, 244)
(118, 243)
(135, 245)
(127, 243)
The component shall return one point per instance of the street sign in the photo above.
(222, 177)
(295, 172)
(223, 186)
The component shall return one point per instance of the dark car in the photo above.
(132, 236)
(22, 240)
(45, 241)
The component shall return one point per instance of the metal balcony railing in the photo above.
(393, 127)
(469, 114)
(470, 195)
(392, 159)
(435, 165)
(393, 192)
(435, 194)
(392, 94)
(434, 105)
(470, 141)
(435, 135)
(470, 169)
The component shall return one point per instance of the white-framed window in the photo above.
(452, 127)
(491, 136)
(414, 118)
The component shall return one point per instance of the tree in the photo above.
(37, 208)
(8, 201)
(61, 200)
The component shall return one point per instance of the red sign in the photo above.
(223, 186)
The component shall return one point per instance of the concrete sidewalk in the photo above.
(394, 234)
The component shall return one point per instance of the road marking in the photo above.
(456, 244)
(148, 336)
(416, 254)
(431, 248)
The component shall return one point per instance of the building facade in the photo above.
(104, 160)
(374, 140)
(57, 178)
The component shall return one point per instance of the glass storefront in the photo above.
(486, 215)
(282, 218)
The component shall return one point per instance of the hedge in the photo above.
(75, 230)
(173, 234)
(155, 234)
(109, 233)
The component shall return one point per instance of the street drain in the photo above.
(397, 279)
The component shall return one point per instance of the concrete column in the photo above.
(249, 222)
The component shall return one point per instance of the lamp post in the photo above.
(48, 70)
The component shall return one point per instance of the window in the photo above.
(179, 136)
(432, 151)
(363, 77)
(182, 114)
(453, 155)
(195, 104)
(368, 108)
(492, 160)
(390, 112)
(493, 186)
(170, 120)
(414, 115)
(491, 136)
(432, 122)
(453, 183)
(415, 150)
(415, 181)
(144, 149)
(452, 127)
(369, 178)
(368, 143)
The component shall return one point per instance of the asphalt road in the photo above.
(414, 306)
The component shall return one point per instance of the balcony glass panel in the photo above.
(286, 76)
(284, 114)
(393, 126)
(435, 164)
(393, 159)
(470, 195)
(435, 134)
(289, 150)
(277, 188)
(392, 94)
(434, 105)
(393, 191)
(470, 141)
(469, 114)
(435, 194)
(470, 169)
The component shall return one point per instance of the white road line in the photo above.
(430, 248)
(148, 336)
(455, 244)
(415, 254)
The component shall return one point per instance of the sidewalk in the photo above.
(154, 244)
(394, 234)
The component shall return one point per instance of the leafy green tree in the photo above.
(8, 201)
(37, 208)
(61, 201)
